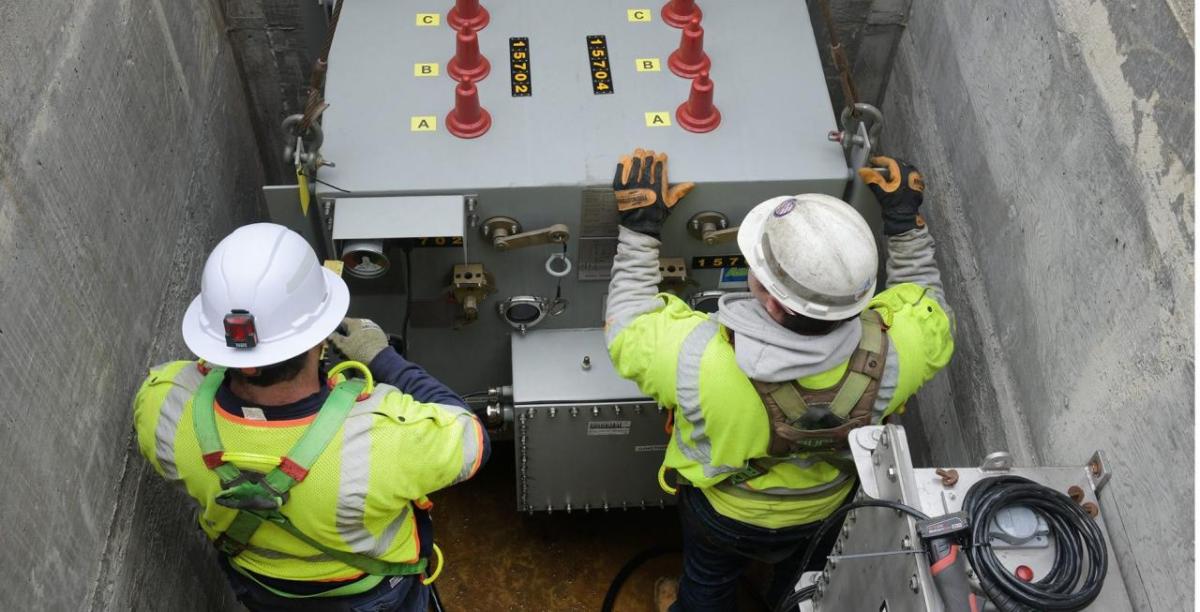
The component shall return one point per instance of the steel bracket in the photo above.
(999, 461)
(1097, 470)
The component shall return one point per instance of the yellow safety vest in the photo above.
(391, 452)
(685, 361)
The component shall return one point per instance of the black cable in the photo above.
(314, 179)
(317, 180)
(793, 599)
(614, 588)
(435, 599)
(408, 298)
(1065, 586)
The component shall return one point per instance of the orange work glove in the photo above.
(644, 196)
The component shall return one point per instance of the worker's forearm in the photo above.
(910, 260)
(389, 367)
(635, 279)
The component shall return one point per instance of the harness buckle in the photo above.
(250, 491)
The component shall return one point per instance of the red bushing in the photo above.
(468, 119)
(468, 62)
(698, 113)
(677, 13)
(689, 60)
(468, 14)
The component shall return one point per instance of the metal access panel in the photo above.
(902, 582)
(586, 438)
(549, 156)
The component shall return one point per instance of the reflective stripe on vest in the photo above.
(687, 396)
(472, 439)
(356, 477)
(183, 385)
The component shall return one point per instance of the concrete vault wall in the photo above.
(126, 152)
(1057, 139)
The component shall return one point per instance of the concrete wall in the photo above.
(1057, 140)
(276, 43)
(126, 152)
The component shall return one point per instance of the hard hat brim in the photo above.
(213, 350)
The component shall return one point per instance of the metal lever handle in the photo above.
(719, 236)
(711, 228)
(554, 234)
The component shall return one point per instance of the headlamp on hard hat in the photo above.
(239, 329)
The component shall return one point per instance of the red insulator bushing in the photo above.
(689, 60)
(699, 114)
(468, 62)
(677, 13)
(468, 15)
(468, 119)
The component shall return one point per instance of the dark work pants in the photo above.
(716, 550)
(397, 594)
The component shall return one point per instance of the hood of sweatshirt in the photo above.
(769, 352)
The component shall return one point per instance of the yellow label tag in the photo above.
(648, 64)
(426, 70)
(659, 119)
(336, 265)
(424, 123)
(639, 15)
(302, 181)
(429, 20)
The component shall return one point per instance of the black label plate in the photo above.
(600, 64)
(519, 65)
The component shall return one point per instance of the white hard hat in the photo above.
(812, 252)
(264, 298)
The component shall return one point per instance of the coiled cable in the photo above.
(1079, 545)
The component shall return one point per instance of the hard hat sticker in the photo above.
(785, 207)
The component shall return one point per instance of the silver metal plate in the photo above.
(593, 456)
(566, 366)
(398, 217)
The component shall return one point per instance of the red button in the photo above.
(1024, 573)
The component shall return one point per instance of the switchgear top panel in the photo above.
(570, 86)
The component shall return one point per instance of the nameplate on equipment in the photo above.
(714, 262)
(609, 428)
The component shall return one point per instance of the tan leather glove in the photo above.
(359, 339)
(644, 196)
(900, 194)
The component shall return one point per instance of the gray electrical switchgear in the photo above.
(529, 228)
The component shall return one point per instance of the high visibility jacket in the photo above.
(359, 496)
(686, 361)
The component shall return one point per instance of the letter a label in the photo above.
(424, 123)
(658, 119)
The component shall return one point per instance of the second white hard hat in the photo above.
(264, 298)
(812, 252)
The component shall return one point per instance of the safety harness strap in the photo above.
(259, 498)
(834, 412)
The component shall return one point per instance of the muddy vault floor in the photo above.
(498, 559)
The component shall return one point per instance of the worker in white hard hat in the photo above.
(764, 393)
(312, 483)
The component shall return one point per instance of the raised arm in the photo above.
(910, 247)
